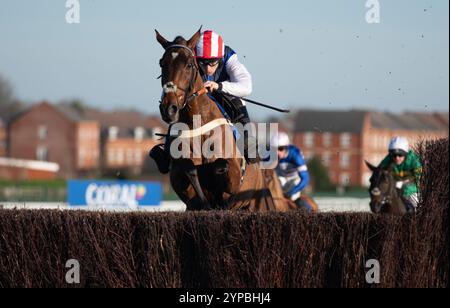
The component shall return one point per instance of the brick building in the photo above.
(126, 138)
(414, 126)
(83, 141)
(344, 139)
(3, 141)
(58, 134)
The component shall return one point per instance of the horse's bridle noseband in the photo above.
(194, 72)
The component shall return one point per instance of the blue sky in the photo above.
(315, 53)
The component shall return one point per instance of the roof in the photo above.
(352, 121)
(69, 112)
(385, 120)
(72, 113)
(427, 121)
(407, 121)
(284, 125)
(125, 120)
(330, 121)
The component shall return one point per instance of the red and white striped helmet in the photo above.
(210, 46)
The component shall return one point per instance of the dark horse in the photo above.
(384, 196)
(201, 182)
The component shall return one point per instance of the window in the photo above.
(344, 160)
(42, 132)
(113, 133)
(111, 157)
(308, 140)
(42, 153)
(327, 139)
(344, 179)
(130, 156)
(139, 133)
(346, 140)
(119, 156)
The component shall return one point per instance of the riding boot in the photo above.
(161, 158)
(410, 207)
(237, 113)
(250, 141)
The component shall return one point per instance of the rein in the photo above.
(171, 87)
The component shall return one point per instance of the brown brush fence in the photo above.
(234, 249)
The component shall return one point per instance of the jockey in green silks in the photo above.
(406, 170)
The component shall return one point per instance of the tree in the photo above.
(5, 91)
(319, 173)
(8, 105)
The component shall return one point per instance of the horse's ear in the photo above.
(370, 166)
(164, 43)
(194, 39)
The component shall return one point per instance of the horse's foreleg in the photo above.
(192, 176)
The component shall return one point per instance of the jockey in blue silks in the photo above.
(291, 169)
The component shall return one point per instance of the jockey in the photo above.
(221, 71)
(223, 74)
(291, 170)
(407, 169)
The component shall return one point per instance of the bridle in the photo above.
(376, 191)
(172, 87)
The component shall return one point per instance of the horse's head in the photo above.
(179, 73)
(381, 188)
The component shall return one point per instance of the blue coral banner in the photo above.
(107, 194)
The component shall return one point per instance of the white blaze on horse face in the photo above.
(170, 87)
(174, 55)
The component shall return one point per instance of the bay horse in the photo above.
(218, 181)
(280, 200)
(384, 196)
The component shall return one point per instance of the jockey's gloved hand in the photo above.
(211, 86)
(399, 184)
